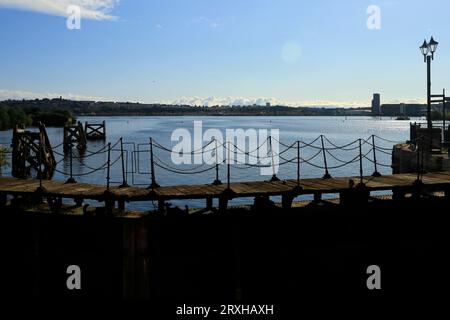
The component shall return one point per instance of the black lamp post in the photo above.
(428, 50)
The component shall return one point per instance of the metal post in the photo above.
(274, 176)
(360, 163)
(108, 173)
(124, 177)
(152, 167)
(228, 165)
(217, 181)
(444, 116)
(298, 163)
(375, 173)
(429, 121)
(327, 174)
(71, 179)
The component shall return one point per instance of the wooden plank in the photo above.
(335, 184)
(25, 188)
(310, 186)
(442, 176)
(316, 185)
(242, 189)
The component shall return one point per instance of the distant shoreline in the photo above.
(99, 108)
(222, 115)
(132, 109)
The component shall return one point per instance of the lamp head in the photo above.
(433, 46)
(424, 48)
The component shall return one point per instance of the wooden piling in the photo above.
(74, 135)
(95, 131)
(287, 199)
(30, 151)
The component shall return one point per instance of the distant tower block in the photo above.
(376, 104)
(74, 135)
(32, 151)
(95, 131)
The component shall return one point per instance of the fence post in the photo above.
(361, 181)
(375, 173)
(109, 199)
(152, 167)
(217, 181)
(124, 174)
(298, 163)
(274, 176)
(327, 174)
(227, 194)
(108, 172)
(297, 189)
(71, 179)
(444, 116)
(228, 165)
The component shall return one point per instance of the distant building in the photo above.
(376, 103)
(268, 104)
(402, 109)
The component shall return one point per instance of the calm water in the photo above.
(138, 130)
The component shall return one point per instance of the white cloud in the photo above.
(90, 9)
(208, 102)
(261, 101)
(19, 95)
(212, 23)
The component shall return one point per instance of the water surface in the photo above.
(137, 130)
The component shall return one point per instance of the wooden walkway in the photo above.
(399, 184)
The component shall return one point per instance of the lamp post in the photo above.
(428, 50)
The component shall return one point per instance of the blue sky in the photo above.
(218, 51)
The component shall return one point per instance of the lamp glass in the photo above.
(433, 45)
(424, 48)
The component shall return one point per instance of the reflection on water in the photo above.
(90, 166)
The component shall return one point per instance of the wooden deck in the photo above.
(400, 184)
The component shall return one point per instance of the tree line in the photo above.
(31, 116)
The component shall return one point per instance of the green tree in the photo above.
(18, 116)
(4, 118)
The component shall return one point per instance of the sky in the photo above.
(292, 52)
